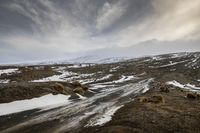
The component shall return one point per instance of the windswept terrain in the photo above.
(148, 94)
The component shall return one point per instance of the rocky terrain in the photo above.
(148, 94)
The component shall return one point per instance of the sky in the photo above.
(52, 29)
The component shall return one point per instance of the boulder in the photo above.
(79, 90)
(191, 96)
(76, 84)
(164, 88)
(59, 87)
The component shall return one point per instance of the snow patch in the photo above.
(106, 117)
(81, 97)
(80, 65)
(184, 86)
(4, 81)
(123, 79)
(114, 69)
(61, 77)
(105, 77)
(171, 64)
(8, 71)
(41, 102)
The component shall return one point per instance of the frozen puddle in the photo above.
(184, 86)
(41, 102)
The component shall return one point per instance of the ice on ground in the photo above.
(8, 71)
(41, 102)
(106, 117)
(184, 86)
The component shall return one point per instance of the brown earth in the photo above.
(27, 90)
(155, 112)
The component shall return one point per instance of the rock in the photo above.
(85, 88)
(76, 84)
(198, 95)
(59, 87)
(191, 96)
(164, 88)
(79, 90)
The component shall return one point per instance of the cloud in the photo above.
(109, 14)
(59, 28)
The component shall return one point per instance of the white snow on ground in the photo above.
(41, 102)
(105, 77)
(8, 71)
(65, 76)
(80, 96)
(124, 78)
(106, 117)
(171, 64)
(186, 86)
(61, 77)
(86, 81)
(80, 65)
(175, 83)
(178, 55)
(97, 86)
(146, 88)
(4, 81)
(157, 58)
(195, 59)
(114, 69)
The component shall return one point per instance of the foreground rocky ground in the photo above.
(149, 94)
(156, 112)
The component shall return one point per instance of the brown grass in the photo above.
(153, 99)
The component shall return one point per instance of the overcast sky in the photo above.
(44, 29)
